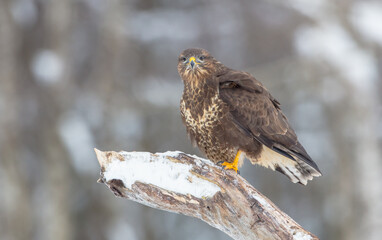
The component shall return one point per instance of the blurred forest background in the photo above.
(94, 73)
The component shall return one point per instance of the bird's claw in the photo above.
(227, 166)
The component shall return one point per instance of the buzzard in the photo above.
(231, 116)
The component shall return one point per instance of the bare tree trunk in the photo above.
(180, 183)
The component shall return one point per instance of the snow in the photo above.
(301, 236)
(158, 170)
(169, 154)
(198, 161)
(366, 16)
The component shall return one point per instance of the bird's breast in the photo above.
(205, 125)
(201, 114)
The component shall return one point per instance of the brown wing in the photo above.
(254, 110)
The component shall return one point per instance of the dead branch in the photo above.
(180, 183)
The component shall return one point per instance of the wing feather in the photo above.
(257, 113)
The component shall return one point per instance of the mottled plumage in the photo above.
(230, 114)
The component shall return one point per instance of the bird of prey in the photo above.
(231, 116)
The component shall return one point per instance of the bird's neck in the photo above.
(203, 88)
(198, 96)
(205, 82)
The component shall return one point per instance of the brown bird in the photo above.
(231, 116)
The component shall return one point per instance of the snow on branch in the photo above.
(180, 183)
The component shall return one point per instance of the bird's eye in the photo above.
(201, 58)
(183, 59)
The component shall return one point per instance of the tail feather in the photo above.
(297, 170)
(297, 173)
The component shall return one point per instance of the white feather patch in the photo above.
(271, 159)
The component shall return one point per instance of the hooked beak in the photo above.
(192, 61)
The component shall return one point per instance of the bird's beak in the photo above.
(192, 62)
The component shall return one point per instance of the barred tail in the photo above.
(297, 170)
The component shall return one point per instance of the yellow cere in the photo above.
(193, 59)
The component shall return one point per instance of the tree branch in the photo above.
(180, 183)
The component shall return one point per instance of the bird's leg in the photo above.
(234, 164)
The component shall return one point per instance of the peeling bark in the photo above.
(237, 209)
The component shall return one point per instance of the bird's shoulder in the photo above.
(240, 85)
(229, 78)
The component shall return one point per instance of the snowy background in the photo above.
(91, 73)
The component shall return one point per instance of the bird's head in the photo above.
(195, 64)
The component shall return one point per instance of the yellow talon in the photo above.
(234, 164)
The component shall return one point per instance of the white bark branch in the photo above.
(180, 183)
